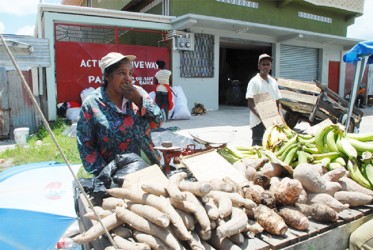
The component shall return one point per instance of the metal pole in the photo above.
(359, 72)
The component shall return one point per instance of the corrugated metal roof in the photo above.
(40, 56)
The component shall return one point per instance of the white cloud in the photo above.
(19, 7)
(2, 28)
(26, 30)
(361, 29)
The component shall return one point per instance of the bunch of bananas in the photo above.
(331, 146)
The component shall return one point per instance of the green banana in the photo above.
(333, 165)
(319, 137)
(361, 137)
(290, 155)
(286, 152)
(287, 144)
(330, 141)
(330, 155)
(302, 157)
(359, 145)
(340, 160)
(345, 147)
(310, 150)
(356, 175)
(368, 172)
(306, 136)
(306, 141)
(272, 157)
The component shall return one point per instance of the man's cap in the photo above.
(112, 58)
(264, 56)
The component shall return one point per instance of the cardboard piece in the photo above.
(267, 109)
(313, 130)
(151, 174)
(209, 165)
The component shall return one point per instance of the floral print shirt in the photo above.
(103, 130)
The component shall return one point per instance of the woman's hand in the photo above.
(131, 94)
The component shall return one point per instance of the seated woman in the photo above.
(117, 117)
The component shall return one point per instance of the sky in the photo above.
(19, 17)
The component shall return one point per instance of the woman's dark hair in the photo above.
(161, 64)
(111, 69)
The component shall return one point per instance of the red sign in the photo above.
(77, 66)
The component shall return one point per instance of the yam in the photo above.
(152, 200)
(197, 188)
(294, 218)
(110, 222)
(102, 213)
(150, 240)
(173, 186)
(195, 243)
(154, 188)
(145, 226)
(309, 178)
(211, 209)
(350, 185)
(236, 224)
(327, 200)
(270, 220)
(122, 231)
(200, 214)
(287, 191)
(332, 187)
(271, 169)
(223, 243)
(110, 203)
(250, 173)
(224, 203)
(150, 213)
(318, 211)
(255, 163)
(302, 197)
(126, 244)
(240, 167)
(219, 185)
(187, 219)
(335, 174)
(253, 228)
(354, 199)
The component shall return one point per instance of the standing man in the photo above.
(261, 83)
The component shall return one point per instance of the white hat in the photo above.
(265, 56)
(113, 57)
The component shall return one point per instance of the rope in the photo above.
(46, 124)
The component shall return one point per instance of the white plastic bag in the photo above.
(86, 92)
(73, 114)
(180, 110)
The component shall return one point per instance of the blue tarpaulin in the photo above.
(360, 50)
(360, 55)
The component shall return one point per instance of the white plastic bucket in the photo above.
(21, 136)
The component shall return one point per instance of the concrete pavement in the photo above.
(235, 120)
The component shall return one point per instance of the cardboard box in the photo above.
(267, 109)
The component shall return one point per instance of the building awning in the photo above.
(268, 32)
(16, 47)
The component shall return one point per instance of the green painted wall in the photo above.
(267, 13)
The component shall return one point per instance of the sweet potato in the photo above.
(318, 211)
(309, 178)
(327, 200)
(354, 199)
(270, 220)
(294, 218)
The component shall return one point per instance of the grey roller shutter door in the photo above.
(299, 63)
